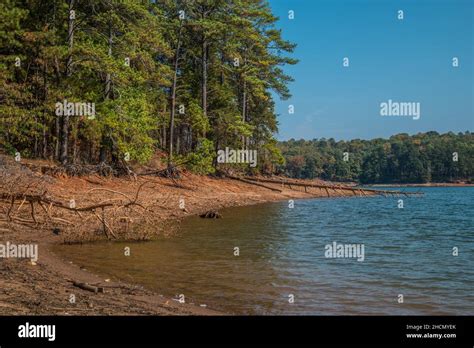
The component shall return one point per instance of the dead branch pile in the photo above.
(99, 213)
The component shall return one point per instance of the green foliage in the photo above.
(272, 157)
(425, 157)
(129, 121)
(200, 161)
(135, 60)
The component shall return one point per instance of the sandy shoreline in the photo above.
(45, 287)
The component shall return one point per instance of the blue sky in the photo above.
(406, 61)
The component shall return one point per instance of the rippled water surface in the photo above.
(408, 251)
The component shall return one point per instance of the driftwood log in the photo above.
(88, 287)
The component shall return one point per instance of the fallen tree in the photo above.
(253, 183)
(326, 187)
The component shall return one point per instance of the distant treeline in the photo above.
(421, 158)
(101, 81)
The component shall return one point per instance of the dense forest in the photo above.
(103, 81)
(421, 158)
(111, 81)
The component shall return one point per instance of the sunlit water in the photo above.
(408, 251)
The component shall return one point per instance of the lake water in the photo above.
(407, 252)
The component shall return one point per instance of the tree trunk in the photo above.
(44, 146)
(173, 97)
(64, 139)
(177, 140)
(63, 152)
(74, 142)
(244, 107)
(56, 145)
(108, 78)
(70, 37)
(104, 143)
(204, 74)
(35, 146)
